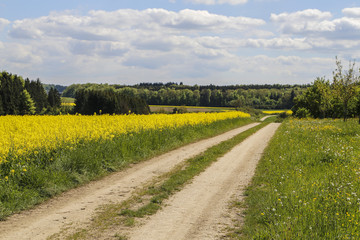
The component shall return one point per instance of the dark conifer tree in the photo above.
(38, 94)
(1, 104)
(12, 87)
(54, 98)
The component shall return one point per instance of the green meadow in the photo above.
(307, 185)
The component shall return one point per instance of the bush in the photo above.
(181, 109)
(302, 113)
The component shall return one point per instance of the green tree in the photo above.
(196, 98)
(238, 103)
(1, 106)
(54, 98)
(344, 85)
(1, 102)
(108, 101)
(316, 99)
(205, 96)
(12, 87)
(27, 105)
(38, 94)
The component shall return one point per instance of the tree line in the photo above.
(339, 98)
(269, 97)
(28, 97)
(25, 97)
(108, 101)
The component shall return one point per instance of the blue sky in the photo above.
(218, 42)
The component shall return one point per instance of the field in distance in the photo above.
(167, 108)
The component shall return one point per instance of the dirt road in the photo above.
(197, 212)
(77, 206)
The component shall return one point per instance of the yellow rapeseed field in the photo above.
(23, 134)
(289, 112)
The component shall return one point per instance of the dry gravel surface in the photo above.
(76, 207)
(199, 210)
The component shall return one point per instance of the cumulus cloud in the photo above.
(310, 20)
(351, 12)
(306, 15)
(3, 23)
(102, 25)
(284, 43)
(160, 45)
(151, 39)
(20, 54)
(148, 39)
(315, 23)
(186, 20)
(286, 69)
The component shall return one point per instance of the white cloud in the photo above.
(161, 45)
(102, 25)
(214, 2)
(284, 69)
(351, 12)
(284, 43)
(305, 15)
(19, 54)
(3, 23)
(314, 23)
(154, 42)
(310, 20)
(148, 39)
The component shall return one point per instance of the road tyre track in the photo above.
(198, 210)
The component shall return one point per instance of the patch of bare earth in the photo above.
(200, 210)
(76, 207)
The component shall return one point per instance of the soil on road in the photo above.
(76, 207)
(199, 210)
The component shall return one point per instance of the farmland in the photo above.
(44, 155)
(166, 108)
(300, 190)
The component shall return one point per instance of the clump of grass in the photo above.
(307, 186)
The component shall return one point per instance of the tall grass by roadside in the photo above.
(42, 174)
(307, 185)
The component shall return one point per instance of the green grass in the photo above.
(50, 173)
(307, 185)
(67, 100)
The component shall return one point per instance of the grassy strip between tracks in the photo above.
(150, 199)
